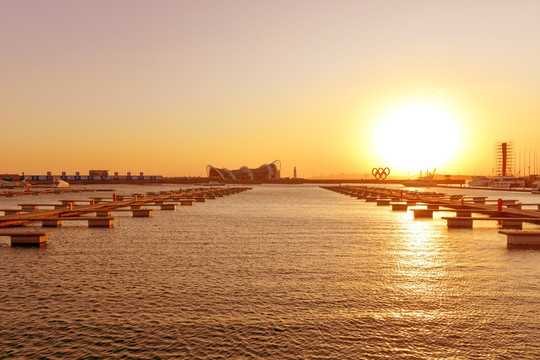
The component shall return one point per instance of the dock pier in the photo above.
(140, 205)
(510, 215)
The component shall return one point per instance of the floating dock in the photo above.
(507, 214)
(140, 205)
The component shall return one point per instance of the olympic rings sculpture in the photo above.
(380, 173)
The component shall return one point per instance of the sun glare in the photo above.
(416, 137)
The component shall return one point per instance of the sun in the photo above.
(416, 137)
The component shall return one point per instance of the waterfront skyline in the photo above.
(169, 87)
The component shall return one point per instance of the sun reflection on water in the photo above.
(418, 273)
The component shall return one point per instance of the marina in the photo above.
(303, 267)
(509, 213)
(270, 180)
(68, 210)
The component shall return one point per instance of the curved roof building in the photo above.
(263, 172)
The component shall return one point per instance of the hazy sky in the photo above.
(167, 87)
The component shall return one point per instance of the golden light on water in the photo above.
(416, 137)
(416, 273)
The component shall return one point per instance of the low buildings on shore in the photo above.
(93, 175)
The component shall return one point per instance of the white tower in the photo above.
(294, 176)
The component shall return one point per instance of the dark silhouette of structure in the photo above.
(504, 158)
(263, 172)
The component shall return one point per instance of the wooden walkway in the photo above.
(440, 199)
(511, 213)
(141, 205)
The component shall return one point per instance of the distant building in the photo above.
(98, 172)
(92, 175)
(263, 172)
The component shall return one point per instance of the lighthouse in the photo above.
(294, 176)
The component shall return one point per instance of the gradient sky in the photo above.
(167, 87)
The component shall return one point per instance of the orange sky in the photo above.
(167, 87)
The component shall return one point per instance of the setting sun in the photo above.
(416, 137)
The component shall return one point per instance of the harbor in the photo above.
(270, 180)
(294, 265)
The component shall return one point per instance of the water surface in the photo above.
(274, 272)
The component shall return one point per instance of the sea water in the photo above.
(279, 272)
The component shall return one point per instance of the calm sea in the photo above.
(281, 272)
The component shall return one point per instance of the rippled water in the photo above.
(276, 272)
